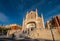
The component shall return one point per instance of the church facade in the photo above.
(32, 21)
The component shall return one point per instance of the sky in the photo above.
(13, 11)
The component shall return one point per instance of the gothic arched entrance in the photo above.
(30, 26)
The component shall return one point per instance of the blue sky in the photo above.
(13, 11)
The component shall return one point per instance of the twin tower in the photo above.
(32, 20)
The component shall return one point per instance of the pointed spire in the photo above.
(36, 13)
(42, 20)
(23, 25)
(41, 15)
(23, 22)
(36, 9)
(27, 12)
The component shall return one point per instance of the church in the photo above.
(33, 26)
(32, 21)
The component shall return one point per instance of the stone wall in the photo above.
(45, 34)
(56, 34)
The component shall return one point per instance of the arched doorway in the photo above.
(30, 26)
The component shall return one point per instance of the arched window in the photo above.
(31, 25)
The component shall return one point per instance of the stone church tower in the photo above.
(32, 20)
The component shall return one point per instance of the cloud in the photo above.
(3, 17)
